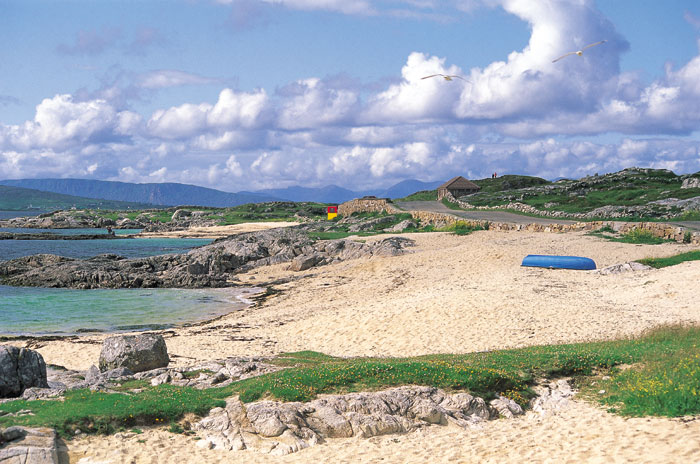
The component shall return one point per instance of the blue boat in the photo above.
(559, 262)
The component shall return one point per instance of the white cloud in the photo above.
(171, 78)
(232, 110)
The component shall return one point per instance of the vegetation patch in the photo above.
(658, 263)
(99, 412)
(664, 380)
(635, 236)
(463, 228)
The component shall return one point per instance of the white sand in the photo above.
(217, 231)
(452, 294)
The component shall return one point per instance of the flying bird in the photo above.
(446, 77)
(579, 52)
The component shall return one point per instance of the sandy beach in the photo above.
(217, 231)
(450, 294)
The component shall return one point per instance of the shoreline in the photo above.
(448, 294)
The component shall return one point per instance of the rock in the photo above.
(213, 265)
(161, 379)
(180, 213)
(137, 353)
(302, 263)
(551, 396)
(36, 393)
(20, 368)
(401, 226)
(691, 182)
(506, 407)
(29, 446)
(281, 428)
(631, 266)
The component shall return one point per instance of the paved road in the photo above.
(494, 216)
(502, 216)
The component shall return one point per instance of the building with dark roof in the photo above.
(457, 186)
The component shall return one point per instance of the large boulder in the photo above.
(20, 368)
(137, 353)
(28, 446)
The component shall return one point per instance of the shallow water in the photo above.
(86, 231)
(130, 248)
(51, 311)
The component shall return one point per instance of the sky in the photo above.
(253, 94)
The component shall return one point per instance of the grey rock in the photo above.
(552, 396)
(137, 353)
(631, 266)
(506, 407)
(30, 446)
(161, 379)
(691, 182)
(35, 393)
(281, 428)
(302, 263)
(20, 368)
(401, 226)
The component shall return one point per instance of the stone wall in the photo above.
(662, 230)
(367, 205)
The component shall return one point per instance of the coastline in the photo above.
(449, 294)
(216, 231)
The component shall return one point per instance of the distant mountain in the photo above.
(162, 194)
(407, 187)
(327, 194)
(19, 199)
(335, 194)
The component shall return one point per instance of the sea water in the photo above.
(56, 311)
(127, 247)
(42, 311)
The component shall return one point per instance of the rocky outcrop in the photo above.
(691, 182)
(137, 353)
(213, 265)
(20, 368)
(21, 445)
(631, 266)
(283, 428)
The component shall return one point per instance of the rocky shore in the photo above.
(213, 265)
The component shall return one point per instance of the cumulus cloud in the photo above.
(61, 123)
(232, 110)
(513, 115)
(164, 78)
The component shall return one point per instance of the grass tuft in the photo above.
(658, 263)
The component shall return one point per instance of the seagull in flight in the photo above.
(579, 52)
(446, 77)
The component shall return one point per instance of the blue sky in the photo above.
(249, 94)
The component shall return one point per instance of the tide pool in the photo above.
(51, 311)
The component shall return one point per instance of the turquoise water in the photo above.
(130, 248)
(50, 311)
(86, 231)
(12, 214)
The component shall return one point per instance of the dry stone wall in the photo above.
(658, 229)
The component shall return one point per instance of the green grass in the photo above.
(462, 228)
(450, 205)
(423, 195)
(634, 236)
(663, 379)
(642, 236)
(98, 412)
(509, 372)
(666, 384)
(658, 263)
